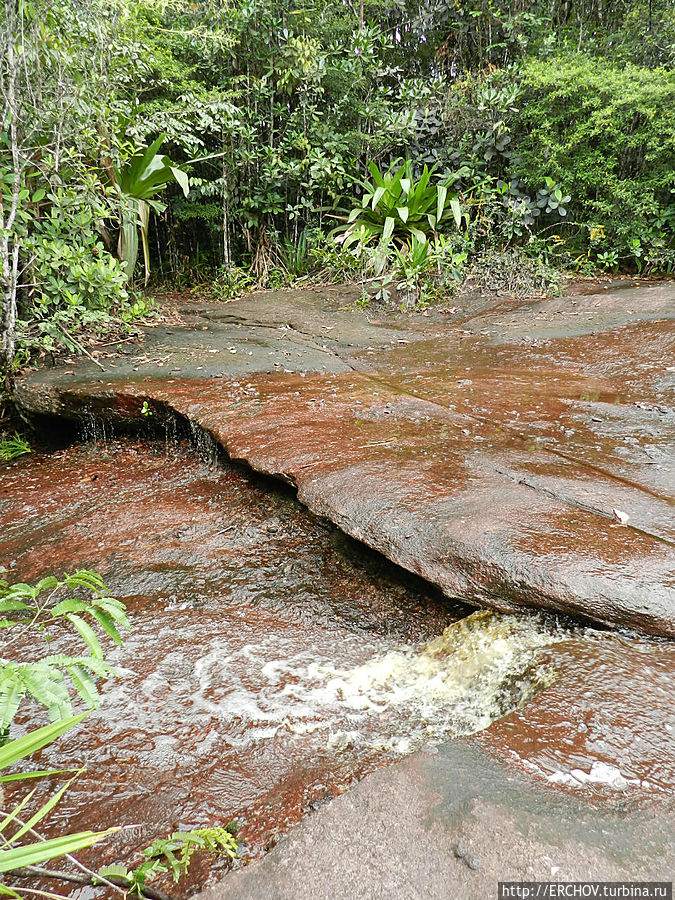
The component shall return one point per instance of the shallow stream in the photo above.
(272, 661)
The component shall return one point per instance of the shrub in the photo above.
(607, 134)
(514, 272)
(68, 274)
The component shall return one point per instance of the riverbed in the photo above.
(272, 662)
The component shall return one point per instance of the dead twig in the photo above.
(81, 347)
(71, 877)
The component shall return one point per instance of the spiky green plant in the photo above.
(18, 848)
(396, 209)
(139, 180)
(13, 446)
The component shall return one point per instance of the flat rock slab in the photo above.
(454, 824)
(485, 452)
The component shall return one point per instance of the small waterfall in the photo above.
(94, 431)
(170, 424)
(478, 670)
(207, 446)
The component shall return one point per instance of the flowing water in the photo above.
(271, 661)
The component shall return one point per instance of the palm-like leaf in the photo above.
(145, 175)
(46, 680)
(16, 855)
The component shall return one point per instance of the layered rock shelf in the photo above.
(518, 454)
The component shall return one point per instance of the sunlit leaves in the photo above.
(397, 208)
(139, 180)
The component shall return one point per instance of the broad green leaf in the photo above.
(46, 584)
(375, 172)
(107, 624)
(85, 578)
(114, 608)
(403, 212)
(181, 178)
(456, 210)
(98, 666)
(388, 229)
(9, 605)
(69, 605)
(25, 746)
(84, 685)
(21, 590)
(377, 196)
(440, 203)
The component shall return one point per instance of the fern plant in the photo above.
(172, 854)
(80, 602)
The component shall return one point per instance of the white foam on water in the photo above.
(478, 670)
(601, 773)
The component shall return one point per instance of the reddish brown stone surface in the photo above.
(233, 592)
(486, 455)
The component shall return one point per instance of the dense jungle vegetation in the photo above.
(258, 142)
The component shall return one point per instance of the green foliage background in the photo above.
(608, 133)
(275, 109)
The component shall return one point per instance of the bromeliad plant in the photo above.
(79, 601)
(396, 208)
(139, 180)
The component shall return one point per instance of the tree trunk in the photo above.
(227, 256)
(10, 243)
(9, 259)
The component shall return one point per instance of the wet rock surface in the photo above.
(271, 661)
(520, 456)
(454, 824)
(235, 597)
